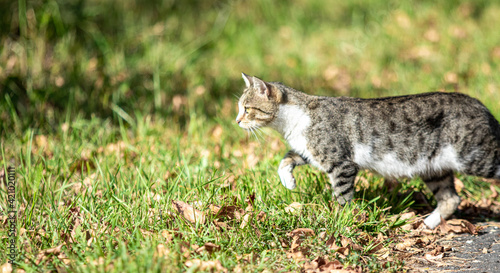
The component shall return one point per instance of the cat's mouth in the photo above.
(249, 126)
(245, 125)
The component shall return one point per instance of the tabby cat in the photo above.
(430, 135)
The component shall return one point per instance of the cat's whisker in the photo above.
(249, 131)
(252, 129)
(263, 134)
(253, 133)
(260, 133)
(258, 137)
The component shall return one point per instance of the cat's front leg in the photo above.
(342, 178)
(285, 170)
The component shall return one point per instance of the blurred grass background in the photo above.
(111, 110)
(65, 60)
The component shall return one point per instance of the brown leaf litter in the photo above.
(293, 208)
(189, 212)
(200, 265)
(413, 242)
(323, 264)
(457, 226)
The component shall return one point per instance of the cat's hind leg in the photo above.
(443, 188)
(285, 170)
(342, 179)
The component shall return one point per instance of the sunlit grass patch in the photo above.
(112, 113)
(92, 204)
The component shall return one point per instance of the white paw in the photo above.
(433, 220)
(287, 178)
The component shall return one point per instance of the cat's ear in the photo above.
(247, 79)
(261, 87)
(258, 84)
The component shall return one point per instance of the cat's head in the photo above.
(259, 103)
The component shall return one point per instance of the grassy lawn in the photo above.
(119, 121)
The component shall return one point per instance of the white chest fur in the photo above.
(292, 122)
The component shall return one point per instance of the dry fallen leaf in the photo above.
(231, 212)
(295, 244)
(330, 243)
(344, 251)
(383, 253)
(410, 221)
(361, 182)
(432, 258)
(347, 242)
(298, 236)
(452, 78)
(293, 208)
(245, 221)
(54, 250)
(432, 35)
(238, 269)
(494, 193)
(315, 264)
(365, 238)
(165, 234)
(214, 209)
(304, 232)
(6, 268)
(407, 215)
(162, 251)
(220, 225)
(377, 245)
(333, 266)
(63, 258)
(459, 185)
(296, 256)
(403, 246)
(205, 265)
(44, 253)
(185, 249)
(87, 182)
(250, 200)
(217, 132)
(338, 78)
(189, 212)
(261, 216)
(41, 141)
(437, 250)
(457, 226)
(178, 101)
(209, 247)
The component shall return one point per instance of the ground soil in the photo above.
(466, 252)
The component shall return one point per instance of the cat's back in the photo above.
(417, 105)
(392, 114)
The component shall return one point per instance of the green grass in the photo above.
(111, 111)
(122, 199)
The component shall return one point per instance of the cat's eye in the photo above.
(246, 110)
